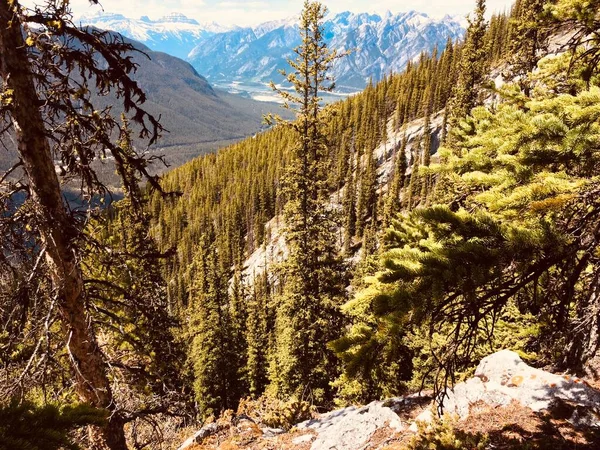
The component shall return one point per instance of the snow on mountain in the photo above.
(379, 44)
(174, 34)
(228, 55)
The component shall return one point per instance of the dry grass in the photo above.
(517, 427)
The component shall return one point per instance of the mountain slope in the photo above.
(197, 117)
(174, 34)
(378, 44)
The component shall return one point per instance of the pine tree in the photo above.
(41, 52)
(472, 66)
(414, 184)
(396, 184)
(426, 158)
(366, 206)
(522, 184)
(349, 207)
(258, 334)
(215, 363)
(25, 426)
(527, 37)
(126, 284)
(307, 314)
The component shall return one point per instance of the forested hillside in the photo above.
(367, 249)
(229, 197)
(196, 118)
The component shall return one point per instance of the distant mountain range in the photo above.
(233, 56)
(174, 34)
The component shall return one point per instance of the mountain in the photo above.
(174, 34)
(199, 119)
(244, 58)
(379, 45)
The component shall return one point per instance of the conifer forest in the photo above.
(352, 251)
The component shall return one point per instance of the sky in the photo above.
(235, 12)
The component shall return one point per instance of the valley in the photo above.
(251, 56)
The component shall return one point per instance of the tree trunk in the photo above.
(57, 231)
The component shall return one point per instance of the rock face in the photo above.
(381, 43)
(351, 428)
(503, 377)
(275, 250)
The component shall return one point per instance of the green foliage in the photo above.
(276, 413)
(442, 434)
(28, 427)
(514, 330)
(215, 328)
(516, 181)
(250, 190)
(528, 34)
(128, 291)
(582, 18)
(473, 65)
(312, 275)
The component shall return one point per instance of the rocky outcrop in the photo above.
(274, 251)
(199, 436)
(503, 377)
(350, 428)
(505, 394)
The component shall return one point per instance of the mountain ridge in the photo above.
(254, 54)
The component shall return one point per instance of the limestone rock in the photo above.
(302, 439)
(425, 417)
(503, 377)
(203, 433)
(271, 432)
(351, 428)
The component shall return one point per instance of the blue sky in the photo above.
(256, 11)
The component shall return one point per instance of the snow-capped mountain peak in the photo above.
(254, 54)
(174, 33)
(175, 17)
(383, 44)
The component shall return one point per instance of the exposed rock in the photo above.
(426, 417)
(504, 392)
(503, 377)
(270, 432)
(203, 433)
(275, 250)
(351, 428)
(302, 439)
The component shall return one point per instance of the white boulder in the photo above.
(503, 377)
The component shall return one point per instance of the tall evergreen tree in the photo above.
(472, 66)
(308, 316)
(54, 122)
(527, 37)
(207, 329)
(392, 204)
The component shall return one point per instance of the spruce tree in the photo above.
(526, 39)
(472, 66)
(426, 180)
(308, 316)
(392, 204)
(258, 334)
(215, 365)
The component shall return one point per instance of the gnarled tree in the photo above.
(51, 72)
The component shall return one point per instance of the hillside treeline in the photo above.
(229, 197)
